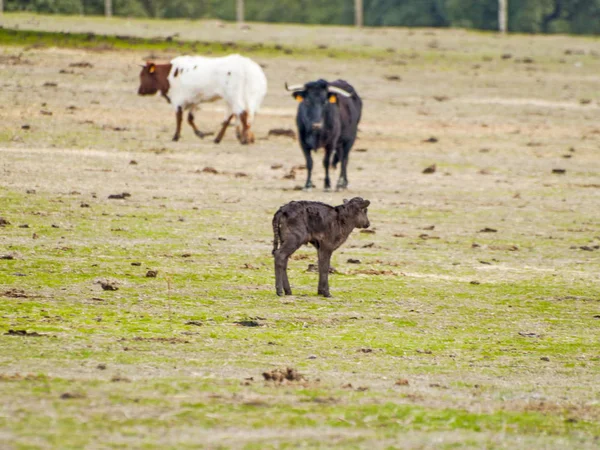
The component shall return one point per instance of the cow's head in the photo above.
(315, 98)
(153, 78)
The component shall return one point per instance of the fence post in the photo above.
(107, 8)
(503, 16)
(1, 7)
(240, 11)
(358, 13)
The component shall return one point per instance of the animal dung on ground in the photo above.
(529, 334)
(361, 150)
(4, 222)
(14, 293)
(353, 261)
(108, 285)
(392, 77)
(285, 132)
(151, 274)
(82, 64)
(210, 170)
(488, 230)
(120, 196)
(430, 169)
(431, 140)
(282, 375)
(276, 166)
(315, 269)
(248, 323)
(71, 395)
(23, 333)
(559, 171)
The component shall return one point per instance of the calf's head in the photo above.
(153, 78)
(315, 97)
(356, 211)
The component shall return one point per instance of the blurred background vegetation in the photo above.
(527, 16)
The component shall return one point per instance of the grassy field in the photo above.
(445, 335)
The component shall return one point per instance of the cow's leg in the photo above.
(178, 118)
(190, 119)
(324, 264)
(343, 180)
(309, 166)
(223, 129)
(245, 135)
(326, 160)
(281, 256)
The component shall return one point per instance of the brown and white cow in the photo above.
(187, 81)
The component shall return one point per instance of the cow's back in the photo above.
(350, 109)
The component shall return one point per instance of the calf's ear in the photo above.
(332, 98)
(151, 67)
(345, 201)
(298, 96)
(366, 203)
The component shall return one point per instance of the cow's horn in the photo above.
(294, 87)
(340, 91)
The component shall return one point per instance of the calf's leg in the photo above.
(282, 255)
(324, 264)
(286, 282)
(178, 118)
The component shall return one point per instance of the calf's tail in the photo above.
(276, 236)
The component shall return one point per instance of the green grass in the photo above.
(92, 41)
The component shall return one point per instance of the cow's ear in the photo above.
(151, 68)
(298, 96)
(332, 98)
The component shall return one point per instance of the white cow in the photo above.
(190, 80)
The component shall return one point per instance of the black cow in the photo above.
(328, 117)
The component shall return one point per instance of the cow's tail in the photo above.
(276, 234)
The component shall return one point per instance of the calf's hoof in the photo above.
(200, 134)
(288, 292)
(279, 293)
(175, 138)
(325, 294)
(217, 140)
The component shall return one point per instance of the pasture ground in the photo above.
(444, 336)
